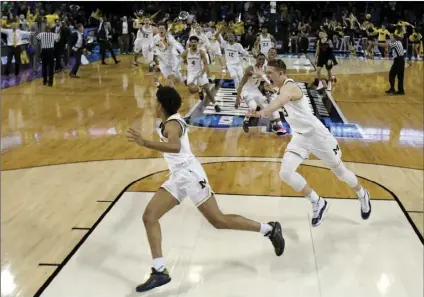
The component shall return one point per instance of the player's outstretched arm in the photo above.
(247, 74)
(172, 131)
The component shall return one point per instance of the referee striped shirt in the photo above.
(47, 39)
(397, 48)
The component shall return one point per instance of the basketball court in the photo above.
(74, 190)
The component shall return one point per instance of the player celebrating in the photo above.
(144, 42)
(203, 43)
(164, 46)
(309, 136)
(264, 42)
(249, 91)
(215, 48)
(197, 69)
(232, 50)
(187, 179)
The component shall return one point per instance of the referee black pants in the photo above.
(47, 59)
(398, 69)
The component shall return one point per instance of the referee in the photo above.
(47, 40)
(398, 67)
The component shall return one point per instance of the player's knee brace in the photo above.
(345, 175)
(288, 171)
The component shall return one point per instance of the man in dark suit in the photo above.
(59, 47)
(103, 35)
(77, 47)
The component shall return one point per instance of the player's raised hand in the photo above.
(135, 136)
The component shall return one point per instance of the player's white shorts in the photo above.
(235, 70)
(169, 69)
(215, 49)
(252, 93)
(189, 181)
(321, 143)
(147, 52)
(197, 80)
(137, 45)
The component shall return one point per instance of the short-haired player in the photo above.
(144, 42)
(165, 59)
(248, 90)
(232, 51)
(309, 135)
(198, 70)
(187, 179)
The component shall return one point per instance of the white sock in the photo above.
(313, 197)
(361, 192)
(159, 264)
(265, 228)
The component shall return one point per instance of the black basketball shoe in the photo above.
(319, 209)
(155, 280)
(246, 125)
(365, 205)
(276, 237)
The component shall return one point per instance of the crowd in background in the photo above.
(245, 18)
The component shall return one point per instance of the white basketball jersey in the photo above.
(147, 35)
(232, 52)
(194, 62)
(175, 160)
(257, 77)
(164, 50)
(299, 116)
(265, 43)
(139, 34)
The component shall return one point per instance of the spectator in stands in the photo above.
(51, 18)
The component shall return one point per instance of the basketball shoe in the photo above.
(276, 237)
(365, 205)
(279, 130)
(155, 280)
(319, 209)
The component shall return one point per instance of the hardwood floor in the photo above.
(79, 125)
(85, 119)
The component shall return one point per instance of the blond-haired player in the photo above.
(309, 135)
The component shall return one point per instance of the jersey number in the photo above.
(336, 150)
(285, 113)
(264, 44)
(231, 55)
(146, 35)
(193, 62)
(203, 183)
